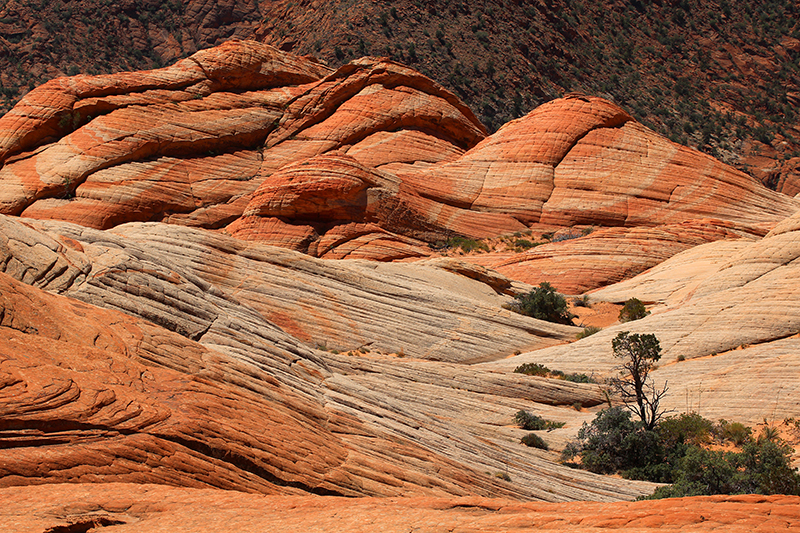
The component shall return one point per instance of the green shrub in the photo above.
(467, 245)
(532, 369)
(579, 378)
(530, 422)
(544, 303)
(769, 433)
(536, 369)
(525, 244)
(686, 428)
(761, 468)
(673, 453)
(735, 432)
(533, 440)
(614, 443)
(632, 310)
(587, 331)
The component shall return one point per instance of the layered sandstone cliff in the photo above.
(370, 161)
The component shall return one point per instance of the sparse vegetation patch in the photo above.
(530, 422)
(677, 451)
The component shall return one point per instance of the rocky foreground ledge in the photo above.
(126, 508)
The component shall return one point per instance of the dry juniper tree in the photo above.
(635, 387)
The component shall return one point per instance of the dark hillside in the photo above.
(721, 76)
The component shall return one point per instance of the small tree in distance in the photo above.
(635, 386)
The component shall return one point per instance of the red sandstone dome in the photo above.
(386, 159)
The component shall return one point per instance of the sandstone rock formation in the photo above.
(189, 297)
(196, 353)
(452, 313)
(583, 160)
(370, 161)
(607, 255)
(730, 308)
(128, 508)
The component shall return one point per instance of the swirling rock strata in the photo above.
(371, 161)
(730, 309)
(189, 371)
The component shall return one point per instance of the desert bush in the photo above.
(532, 369)
(632, 310)
(613, 443)
(533, 440)
(735, 432)
(587, 331)
(530, 422)
(536, 369)
(544, 303)
(467, 245)
(686, 428)
(674, 453)
(567, 236)
(502, 475)
(761, 468)
(582, 301)
(524, 244)
(769, 433)
(579, 378)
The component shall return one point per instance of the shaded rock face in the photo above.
(370, 161)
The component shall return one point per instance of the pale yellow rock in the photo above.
(708, 303)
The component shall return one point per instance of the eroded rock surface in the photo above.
(171, 312)
(205, 364)
(730, 308)
(156, 508)
(371, 161)
(607, 255)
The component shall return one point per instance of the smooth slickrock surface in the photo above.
(127, 508)
(730, 308)
(204, 371)
(439, 311)
(608, 255)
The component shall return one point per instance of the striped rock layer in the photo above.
(372, 161)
